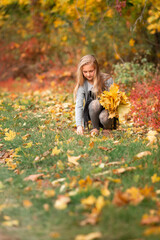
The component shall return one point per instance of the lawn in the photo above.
(55, 184)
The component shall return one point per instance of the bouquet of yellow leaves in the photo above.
(115, 102)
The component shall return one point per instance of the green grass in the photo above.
(49, 123)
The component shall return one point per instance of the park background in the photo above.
(53, 183)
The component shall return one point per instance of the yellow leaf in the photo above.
(27, 203)
(73, 159)
(29, 144)
(61, 202)
(54, 235)
(90, 236)
(105, 192)
(11, 223)
(151, 137)
(60, 165)
(55, 151)
(88, 201)
(123, 110)
(100, 203)
(9, 136)
(131, 42)
(49, 193)
(155, 178)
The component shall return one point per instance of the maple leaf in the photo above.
(9, 136)
(88, 201)
(142, 154)
(155, 178)
(55, 151)
(27, 203)
(11, 223)
(61, 202)
(115, 102)
(33, 177)
(90, 236)
(73, 159)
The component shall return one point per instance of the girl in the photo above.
(90, 81)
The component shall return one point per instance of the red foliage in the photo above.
(145, 100)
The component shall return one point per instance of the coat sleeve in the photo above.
(108, 83)
(79, 106)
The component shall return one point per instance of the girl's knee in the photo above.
(94, 105)
(103, 116)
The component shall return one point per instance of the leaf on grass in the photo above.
(91, 144)
(155, 178)
(27, 203)
(73, 159)
(106, 149)
(55, 151)
(28, 145)
(150, 219)
(49, 193)
(90, 236)
(122, 170)
(88, 201)
(132, 195)
(152, 231)
(11, 223)
(54, 235)
(56, 182)
(151, 137)
(60, 165)
(9, 136)
(142, 154)
(113, 163)
(91, 218)
(34, 177)
(61, 202)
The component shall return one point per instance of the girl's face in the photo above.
(88, 71)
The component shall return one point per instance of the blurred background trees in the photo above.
(35, 34)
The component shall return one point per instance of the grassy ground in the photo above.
(106, 189)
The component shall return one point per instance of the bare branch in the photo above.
(139, 18)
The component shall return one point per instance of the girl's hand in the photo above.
(80, 130)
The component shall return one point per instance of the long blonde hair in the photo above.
(97, 81)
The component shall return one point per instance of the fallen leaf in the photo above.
(150, 219)
(27, 203)
(91, 145)
(91, 218)
(88, 201)
(90, 236)
(54, 235)
(56, 182)
(142, 154)
(11, 223)
(9, 136)
(152, 231)
(55, 151)
(34, 177)
(73, 159)
(122, 170)
(49, 193)
(46, 207)
(61, 202)
(151, 137)
(155, 178)
(106, 149)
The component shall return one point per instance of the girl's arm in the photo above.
(108, 83)
(79, 110)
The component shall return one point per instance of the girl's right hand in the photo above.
(80, 130)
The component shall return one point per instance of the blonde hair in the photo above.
(97, 81)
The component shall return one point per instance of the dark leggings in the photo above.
(99, 115)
